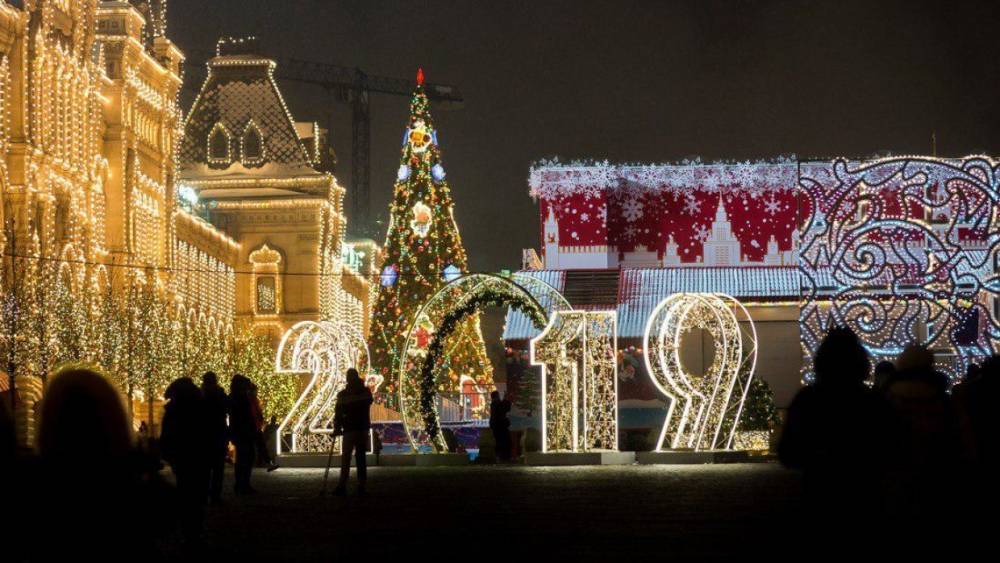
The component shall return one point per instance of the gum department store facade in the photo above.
(94, 154)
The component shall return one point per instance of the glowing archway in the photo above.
(452, 303)
(325, 350)
(702, 413)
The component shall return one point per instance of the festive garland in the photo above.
(551, 178)
(495, 298)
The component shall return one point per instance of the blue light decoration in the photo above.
(899, 250)
(404, 173)
(389, 275)
(451, 273)
(437, 173)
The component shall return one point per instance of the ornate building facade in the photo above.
(259, 176)
(89, 125)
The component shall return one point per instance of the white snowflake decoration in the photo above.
(772, 206)
(692, 206)
(552, 178)
(632, 210)
(585, 216)
(702, 233)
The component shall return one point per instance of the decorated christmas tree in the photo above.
(422, 252)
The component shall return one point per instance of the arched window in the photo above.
(253, 145)
(218, 145)
(267, 283)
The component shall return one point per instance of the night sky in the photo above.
(631, 82)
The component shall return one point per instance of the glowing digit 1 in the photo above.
(577, 354)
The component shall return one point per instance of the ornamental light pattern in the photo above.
(901, 250)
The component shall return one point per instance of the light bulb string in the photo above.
(176, 269)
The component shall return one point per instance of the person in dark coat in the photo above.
(500, 425)
(838, 434)
(85, 478)
(187, 448)
(217, 429)
(243, 432)
(352, 421)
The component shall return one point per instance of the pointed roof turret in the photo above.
(241, 110)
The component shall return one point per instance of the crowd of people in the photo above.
(89, 474)
(895, 455)
(893, 459)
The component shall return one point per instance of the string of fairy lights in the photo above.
(188, 269)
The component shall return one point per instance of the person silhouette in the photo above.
(836, 435)
(188, 448)
(243, 432)
(88, 472)
(217, 429)
(271, 440)
(884, 371)
(500, 425)
(978, 400)
(352, 421)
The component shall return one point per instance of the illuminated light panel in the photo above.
(901, 250)
(325, 350)
(578, 360)
(704, 410)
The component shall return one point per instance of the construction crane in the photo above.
(353, 86)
